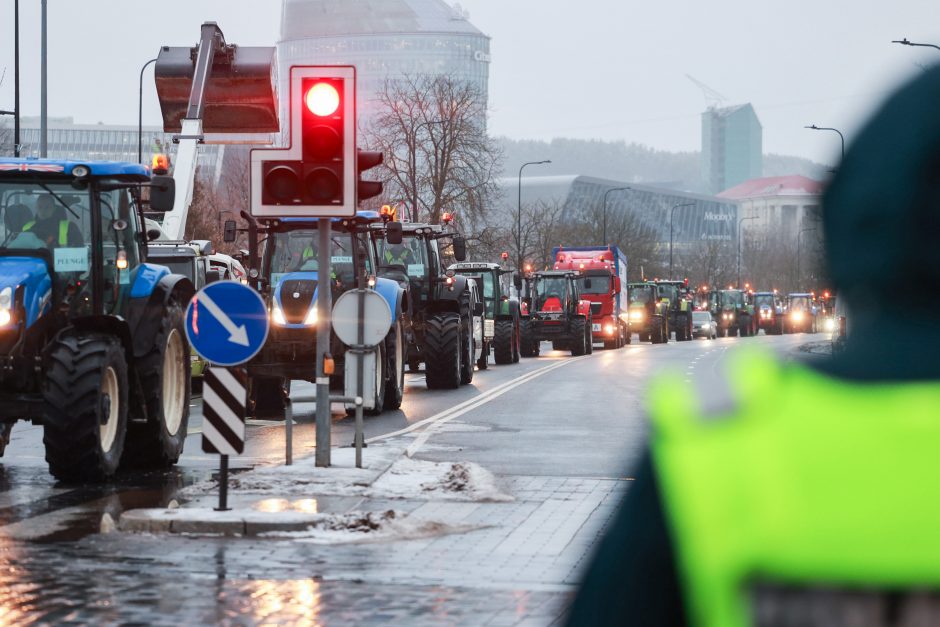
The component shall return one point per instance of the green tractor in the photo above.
(92, 339)
(679, 307)
(502, 324)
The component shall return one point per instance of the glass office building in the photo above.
(732, 145)
(384, 39)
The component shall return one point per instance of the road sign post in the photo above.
(324, 324)
(227, 324)
(361, 320)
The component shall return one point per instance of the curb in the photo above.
(205, 521)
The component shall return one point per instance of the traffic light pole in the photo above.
(324, 328)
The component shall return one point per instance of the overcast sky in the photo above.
(606, 69)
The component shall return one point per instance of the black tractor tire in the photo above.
(517, 340)
(442, 351)
(529, 345)
(164, 373)
(381, 381)
(659, 334)
(268, 397)
(610, 345)
(589, 338)
(468, 354)
(83, 432)
(578, 341)
(395, 371)
(484, 361)
(414, 365)
(627, 337)
(503, 341)
(558, 345)
(645, 337)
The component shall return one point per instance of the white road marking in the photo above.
(458, 410)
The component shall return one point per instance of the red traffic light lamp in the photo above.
(317, 175)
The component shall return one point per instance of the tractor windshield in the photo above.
(641, 294)
(487, 286)
(732, 298)
(411, 255)
(297, 251)
(764, 300)
(799, 303)
(594, 284)
(551, 289)
(47, 216)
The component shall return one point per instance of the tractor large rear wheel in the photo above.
(529, 345)
(165, 382)
(85, 413)
(578, 339)
(394, 355)
(381, 381)
(442, 351)
(503, 341)
(468, 347)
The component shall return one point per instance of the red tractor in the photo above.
(558, 314)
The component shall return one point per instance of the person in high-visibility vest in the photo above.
(398, 255)
(804, 494)
(52, 226)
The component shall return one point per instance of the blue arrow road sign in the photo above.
(227, 323)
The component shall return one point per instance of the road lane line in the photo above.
(458, 410)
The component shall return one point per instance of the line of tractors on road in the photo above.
(93, 348)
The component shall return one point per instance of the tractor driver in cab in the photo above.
(52, 225)
(398, 255)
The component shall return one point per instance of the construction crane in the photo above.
(712, 97)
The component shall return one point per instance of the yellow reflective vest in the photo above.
(809, 481)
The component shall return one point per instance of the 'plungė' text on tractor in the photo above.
(92, 343)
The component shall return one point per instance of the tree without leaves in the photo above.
(432, 133)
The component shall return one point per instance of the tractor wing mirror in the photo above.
(162, 193)
(460, 248)
(394, 233)
(228, 231)
(517, 281)
(478, 309)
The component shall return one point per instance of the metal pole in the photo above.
(289, 433)
(360, 375)
(519, 259)
(223, 485)
(43, 112)
(16, 78)
(140, 112)
(739, 246)
(829, 128)
(323, 344)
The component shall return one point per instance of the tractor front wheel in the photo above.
(164, 373)
(578, 338)
(85, 413)
(503, 342)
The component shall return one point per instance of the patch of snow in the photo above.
(418, 479)
(367, 527)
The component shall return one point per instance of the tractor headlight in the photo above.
(830, 325)
(277, 316)
(311, 319)
(6, 306)
(797, 315)
(636, 315)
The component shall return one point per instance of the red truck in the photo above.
(602, 273)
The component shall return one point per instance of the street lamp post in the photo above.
(140, 112)
(414, 167)
(739, 246)
(813, 127)
(671, 214)
(799, 255)
(905, 42)
(519, 213)
(43, 110)
(16, 78)
(613, 189)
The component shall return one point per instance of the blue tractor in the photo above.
(287, 275)
(92, 343)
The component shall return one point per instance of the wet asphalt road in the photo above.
(580, 420)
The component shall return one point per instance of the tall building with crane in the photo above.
(732, 142)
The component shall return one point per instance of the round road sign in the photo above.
(227, 323)
(376, 322)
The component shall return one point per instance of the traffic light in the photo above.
(317, 175)
(366, 160)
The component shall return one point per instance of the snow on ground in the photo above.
(386, 474)
(367, 527)
(822, 347)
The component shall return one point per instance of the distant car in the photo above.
(703, 325)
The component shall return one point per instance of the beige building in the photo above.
(778, 205)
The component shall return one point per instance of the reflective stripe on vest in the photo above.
(63, 230)
(810, 481)
(392, 260)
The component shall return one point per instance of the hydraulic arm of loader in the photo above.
(212, 88)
